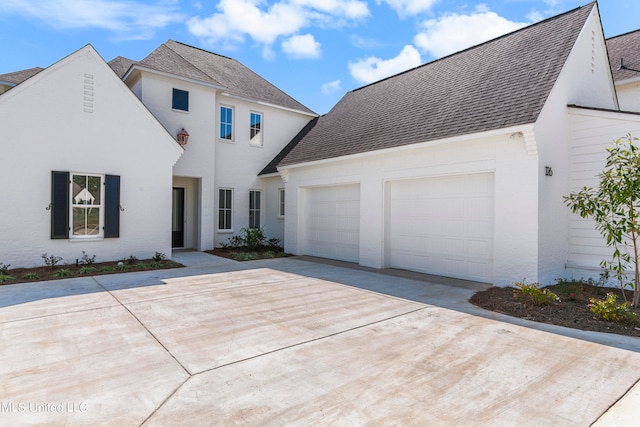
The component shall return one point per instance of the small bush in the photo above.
(253, 238)
(87, 269)
(609, 310)
(131, 260)
(533, 294)
(4, 268)
(122, 267)
(274, 243)
(5, 278)
(32, 275)
(63, 272)
(86, 259)
(158, 257)
(106, 269)
(51, 260)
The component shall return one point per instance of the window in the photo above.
(180, 100)
(281, 209)
(226, 123)
(254, 209)
(225, 198)
(88, 205)
(256, 129)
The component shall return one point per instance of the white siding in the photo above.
(592, 132)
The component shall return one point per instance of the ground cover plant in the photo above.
(578, 304)
(55, 268)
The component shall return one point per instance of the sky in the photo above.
(314, 50)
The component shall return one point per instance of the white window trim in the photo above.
(261, 133)
(225, 230)
(101, 206)
(233, 124)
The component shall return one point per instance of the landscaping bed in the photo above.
(37, 274)
(571, 311)
(244, 254)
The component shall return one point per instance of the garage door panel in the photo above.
(331, 227)
(442, 226)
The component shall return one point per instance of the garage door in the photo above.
(442, 226)
(331, 226)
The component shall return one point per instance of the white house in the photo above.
(237, 122)
(86, 167)
(459, 167)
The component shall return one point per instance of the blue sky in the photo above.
(315, 50)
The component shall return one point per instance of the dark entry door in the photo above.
(177, 218)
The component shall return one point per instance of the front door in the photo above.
(177, 218)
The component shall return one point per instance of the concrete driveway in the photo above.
(293, 342)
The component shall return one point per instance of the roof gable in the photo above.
(624, 55)
(501, 83)
(197, 64)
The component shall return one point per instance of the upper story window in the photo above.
(180, 100)
(255, 129)
(226, 123)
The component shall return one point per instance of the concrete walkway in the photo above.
(296, 342)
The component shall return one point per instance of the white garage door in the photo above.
(442, 226)
(331, 227)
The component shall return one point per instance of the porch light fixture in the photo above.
(183, 137)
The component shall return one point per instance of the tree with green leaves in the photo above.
(615, 207)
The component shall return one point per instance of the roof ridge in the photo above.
(535, 24)
(624, 34)
(200, 49)
(191, 63)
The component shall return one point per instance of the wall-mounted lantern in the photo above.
(183, 137)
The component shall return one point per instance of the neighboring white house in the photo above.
(459, 167)
(85, 167)
(237, 122)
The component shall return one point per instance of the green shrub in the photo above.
(131, 260)
(63, 272)
(609, 310)
(32, 275)
(5, 278)
(531, 293)
(106, 269)
(87, 269)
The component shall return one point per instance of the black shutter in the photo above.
(112, 206)
(59, 205)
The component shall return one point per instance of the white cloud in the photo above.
(372, 69)
(237, 19)
(331, 87)
(304, 46)
(409, 7)
(128, 19)
(535, 16)
(452, 33)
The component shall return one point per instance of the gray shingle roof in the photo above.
(190, 62)
(625, 47)
(501, 83)
(120, 65)
(18, 77)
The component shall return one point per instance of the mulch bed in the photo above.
(571, 311)
(46, 273)
(243, 254)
